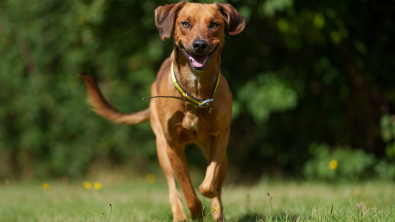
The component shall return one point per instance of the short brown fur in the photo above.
(176, 123)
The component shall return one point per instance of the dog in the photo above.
(190, 100)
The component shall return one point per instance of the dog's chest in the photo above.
(191, 121)
(192, 127)
(200, 122)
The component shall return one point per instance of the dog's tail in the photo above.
(104, 109)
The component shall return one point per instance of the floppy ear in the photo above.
(232, 17)
(165, 17)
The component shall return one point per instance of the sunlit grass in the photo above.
(143, 201)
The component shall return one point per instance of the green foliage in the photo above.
(387, 124)
(301, 71)
(385, 169)
(47, 128)
(341, 162)
(266, 94)
(269, 8)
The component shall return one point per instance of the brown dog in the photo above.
(184, 111)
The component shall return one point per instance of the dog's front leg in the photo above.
(179, 164)
(217, 152)
(216, 201)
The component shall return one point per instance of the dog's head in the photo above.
(198, 28)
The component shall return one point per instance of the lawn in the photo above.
(142, 201)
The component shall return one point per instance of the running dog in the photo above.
(190, 100)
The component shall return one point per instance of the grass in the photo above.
(142, 201)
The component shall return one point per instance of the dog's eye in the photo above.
(214, 25)
(185, 24)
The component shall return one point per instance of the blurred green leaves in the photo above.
(282, 25)
(387, 124)
(269, 8)
(319, 20)
(265, 94)
(47, 129)
(301, 71)
(351, 164)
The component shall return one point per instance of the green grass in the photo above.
(141, 201)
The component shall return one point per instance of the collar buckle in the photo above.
(206, 102)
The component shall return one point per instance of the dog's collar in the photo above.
(190, 99)
(186, 96)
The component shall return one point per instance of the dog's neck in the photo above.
(199, 84)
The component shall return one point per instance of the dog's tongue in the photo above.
(197, 60)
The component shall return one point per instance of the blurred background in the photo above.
(313, 85)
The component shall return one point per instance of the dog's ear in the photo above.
(232, 17)
(165, 16)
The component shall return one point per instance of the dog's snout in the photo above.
(200, 45)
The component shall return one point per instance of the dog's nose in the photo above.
(200, 45)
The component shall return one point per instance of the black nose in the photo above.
(200, 45)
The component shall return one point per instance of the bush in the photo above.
(301, 71)
(387, 124)
(341, 162)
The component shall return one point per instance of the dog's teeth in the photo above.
(205, 61)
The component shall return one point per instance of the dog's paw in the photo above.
(208, 191)
(182, 219)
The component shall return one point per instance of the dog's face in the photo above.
(198, 29)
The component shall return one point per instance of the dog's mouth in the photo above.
(198, 61)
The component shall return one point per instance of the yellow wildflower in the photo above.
(215, 208)
(150, 178)
(98, 186)
(87, 185)
(333, 164)
(46, 186)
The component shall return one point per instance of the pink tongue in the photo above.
(197, 60)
